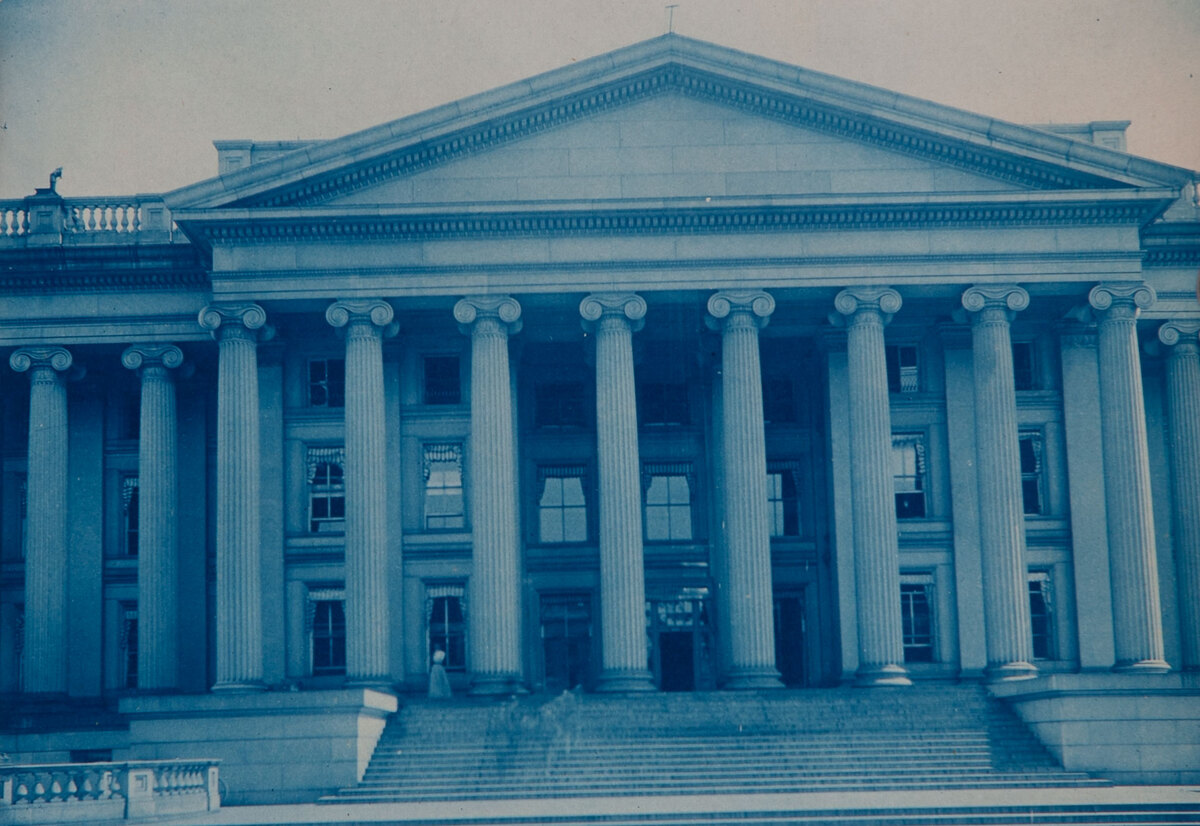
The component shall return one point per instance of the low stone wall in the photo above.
(276, 747)
(1129, 728)
(90, 792)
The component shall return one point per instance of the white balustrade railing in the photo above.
(14, 219)
(117, 219)
(136, 789)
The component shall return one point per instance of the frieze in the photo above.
(1172, 257)
(777, 105)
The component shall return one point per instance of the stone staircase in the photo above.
(834, 740)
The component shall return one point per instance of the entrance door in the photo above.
(566, 641)
(791, 647)
(681, 643)
(677, 660)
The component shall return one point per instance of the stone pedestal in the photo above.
(998, 469)
(158, 504)
(365, 479)
(747, 564)
(1183, 411)
(237, 329)
(613, 319)
(45, 642)
(873, 506)
(494, 622)
(1137, 618)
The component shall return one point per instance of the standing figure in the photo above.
(439, 683)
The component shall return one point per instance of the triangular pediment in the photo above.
(674, 117)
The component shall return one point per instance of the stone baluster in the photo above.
(1137, 617)
(365, 323)
(747, 563)
(237, 329)
(614, 318)
(494, 623)
(45, 633)
(873, 506)
(158, 502)
(1183, 411)
(998, 473)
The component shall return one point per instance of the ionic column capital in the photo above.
(883, 301)
(138, 356)
(1121, 300)
(376, 313)
(726, 305)
(504, 310)
(58, 359)
(986, 302)
(629, 307)
(246, 319)
(1180, 334)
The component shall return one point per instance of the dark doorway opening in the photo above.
(677, 660)
(566, 641)
(791, 647)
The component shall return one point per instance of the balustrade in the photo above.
(119, 218)
(14, 219)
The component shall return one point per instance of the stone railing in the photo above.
(67, 792)
(47, 218)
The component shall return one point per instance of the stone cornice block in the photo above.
(141, 355)
(883, 300)
(629, 306)
(1007, 297)
(1134, 296)
(58, 359)
(379, 313)
(725, 304)
(503, 308)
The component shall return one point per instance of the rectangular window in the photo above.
(667, 490)
(326, 490)
(444, 504)
(778, 404)
(783, 501)
(916, 613)
(129, 644)
(908, 472)
(559, 404)
(327, 618)
(663, 403)
(327, 383)
(442, 382)
(1041, 615)
(562, 504)
(129, 515)
(902, 368)
(1031, 446)
(446, 616)
(1024, 376)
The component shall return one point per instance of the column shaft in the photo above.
(998, 468)
(876, 545)
(622, 586)
(1132, 561)
(45, 643)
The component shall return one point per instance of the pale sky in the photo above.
(128, 95)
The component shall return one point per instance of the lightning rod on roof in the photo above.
(671, 17)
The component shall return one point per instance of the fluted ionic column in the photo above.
(1183, 411)
(158, 502)
(998, 471)
(494, 622)
(614, 318)
(237, 329)
(873, 500)
(45, 641)
(1137, 617)
(739, 315)
(365, 478)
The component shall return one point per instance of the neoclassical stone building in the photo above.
(674, 369)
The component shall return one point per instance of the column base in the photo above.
(239, 687)
(883, 675)
(496, 685)
(752, 678)
(1019, 670)
(618, 680)
(1143, 667)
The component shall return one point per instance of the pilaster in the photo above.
(614, 318)
(1134, 568)
(876, 544)
(495, 617)
(158, 504)
(998, 471)
(747, 564)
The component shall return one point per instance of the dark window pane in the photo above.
(442, 384)
(1023, 365)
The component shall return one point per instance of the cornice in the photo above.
(776, 104)
(1174, 256)
(102, 268)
